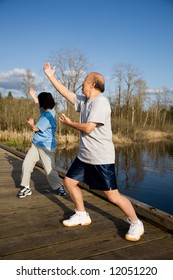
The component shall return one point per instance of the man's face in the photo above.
(86, 86)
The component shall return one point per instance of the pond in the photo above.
(144, 172)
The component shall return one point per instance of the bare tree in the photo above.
(71, 66)
(28, 81)
(129, 89)
(131, 80)
(118, 77)
(138, 102)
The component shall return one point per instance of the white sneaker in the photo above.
(135, 231)
(79, 218)
(25, 191)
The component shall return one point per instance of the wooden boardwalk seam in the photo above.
(31, 228)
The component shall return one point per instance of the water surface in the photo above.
(144, 172)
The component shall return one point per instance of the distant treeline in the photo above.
(128, 115)
(132, 108)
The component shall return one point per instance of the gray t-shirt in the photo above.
(96, 147)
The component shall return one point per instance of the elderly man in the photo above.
(95, 162)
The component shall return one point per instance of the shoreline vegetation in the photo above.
(22, 140)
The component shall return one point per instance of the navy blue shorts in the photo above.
(97, 177)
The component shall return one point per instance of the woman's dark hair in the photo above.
(46, 100)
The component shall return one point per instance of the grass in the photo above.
(22, 140)
(18, 140)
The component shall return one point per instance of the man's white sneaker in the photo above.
(79, 218)
(135, 231)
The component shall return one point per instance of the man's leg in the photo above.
(136, 229)
(81, 217)
(124, 203)
(75, 193)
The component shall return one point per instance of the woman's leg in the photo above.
(48, 160)
(29, 162)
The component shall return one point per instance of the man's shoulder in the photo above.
(80, 99)
(101, 99)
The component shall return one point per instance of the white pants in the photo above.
(47, 158)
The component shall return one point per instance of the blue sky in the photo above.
(108, 32)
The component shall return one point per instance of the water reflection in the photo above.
(144, 172)
(65, 156)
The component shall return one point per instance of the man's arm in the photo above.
(50, 73)
(85, 127)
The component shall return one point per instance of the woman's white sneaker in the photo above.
(79, 218)
(25, 191)
(135, 231)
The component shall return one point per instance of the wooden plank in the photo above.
(154, 215)
(31, 228)
(82, 245)
(157, 249)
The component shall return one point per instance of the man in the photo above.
(95, 162)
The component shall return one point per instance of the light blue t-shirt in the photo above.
(46, 123)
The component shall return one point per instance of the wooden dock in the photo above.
(31, 228)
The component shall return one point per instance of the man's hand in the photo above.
(48, 70)
(50, 73)
(65, 120)
(85, 127)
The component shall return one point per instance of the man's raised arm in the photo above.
(50, 73)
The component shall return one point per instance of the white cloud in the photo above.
(158, 90)
(11, 81)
